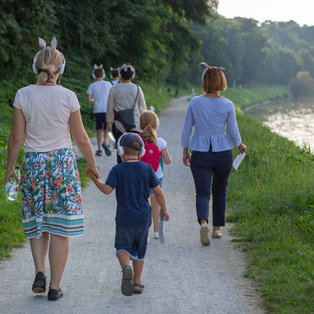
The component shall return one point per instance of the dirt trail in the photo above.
(179, 277)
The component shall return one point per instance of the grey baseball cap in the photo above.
(128, 138)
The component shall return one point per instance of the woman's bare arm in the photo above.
(82, 141)
(16, 139)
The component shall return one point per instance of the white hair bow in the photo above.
(126, 67)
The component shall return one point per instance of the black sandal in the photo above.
(54, 294)
(127, 283)
(138, 291)
(106, 149)
(98, 152)
(39, 285)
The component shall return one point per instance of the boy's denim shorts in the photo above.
(160, 184)
(132, 240)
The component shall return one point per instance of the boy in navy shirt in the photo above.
(132, 180)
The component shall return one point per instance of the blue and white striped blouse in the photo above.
(209, 117)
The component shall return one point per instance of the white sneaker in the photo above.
(216, 234)
(156, 235)
(204, 233)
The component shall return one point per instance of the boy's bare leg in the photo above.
(138, 269)
(155, 211)
(99, 135)
(124, 259)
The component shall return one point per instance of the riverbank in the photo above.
(290, 118)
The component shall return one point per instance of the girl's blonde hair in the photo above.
(149, 123)
(48, 63)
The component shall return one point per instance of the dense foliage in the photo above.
(165, 40)
(151, 34)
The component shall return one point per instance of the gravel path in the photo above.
(181, 276)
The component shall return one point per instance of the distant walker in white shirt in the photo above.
(98, 93)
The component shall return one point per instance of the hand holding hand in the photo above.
(93, 172)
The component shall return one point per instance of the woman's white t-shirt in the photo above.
(46, 110)
(161, 143)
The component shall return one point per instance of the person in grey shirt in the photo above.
(125, 95)
(212, 158)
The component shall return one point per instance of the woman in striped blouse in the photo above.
(212, 158)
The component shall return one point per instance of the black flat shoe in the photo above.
(54, 294)
(39, 285)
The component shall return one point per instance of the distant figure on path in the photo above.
(126, 103)
(156, 154)
(98, 93)
(212, 157)
(44, 115)
(114, 75)
(133, 181)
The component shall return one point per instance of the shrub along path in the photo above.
(181, 276)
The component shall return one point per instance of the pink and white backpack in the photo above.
(152, 155)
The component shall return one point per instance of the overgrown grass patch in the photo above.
(271, 198)
(11, 231)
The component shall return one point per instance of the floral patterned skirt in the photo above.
(51, 194)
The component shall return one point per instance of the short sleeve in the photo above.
(17, 102)
(74, 105)
(153, 178)
(161, 143)
(89, 90)
(141, 100)
(112, 179)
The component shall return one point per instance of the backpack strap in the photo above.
(138, 90)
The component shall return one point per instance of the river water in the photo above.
(291, 119)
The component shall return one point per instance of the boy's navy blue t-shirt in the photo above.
(132, 181)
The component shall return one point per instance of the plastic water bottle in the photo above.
(12, 187)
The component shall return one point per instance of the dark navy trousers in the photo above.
(210, 171)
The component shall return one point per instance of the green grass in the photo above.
(271, 199)
(244, 97)
(11, 231)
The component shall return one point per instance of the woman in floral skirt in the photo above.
(44, 115)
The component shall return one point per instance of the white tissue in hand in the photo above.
(238, 160)
(161, 230)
